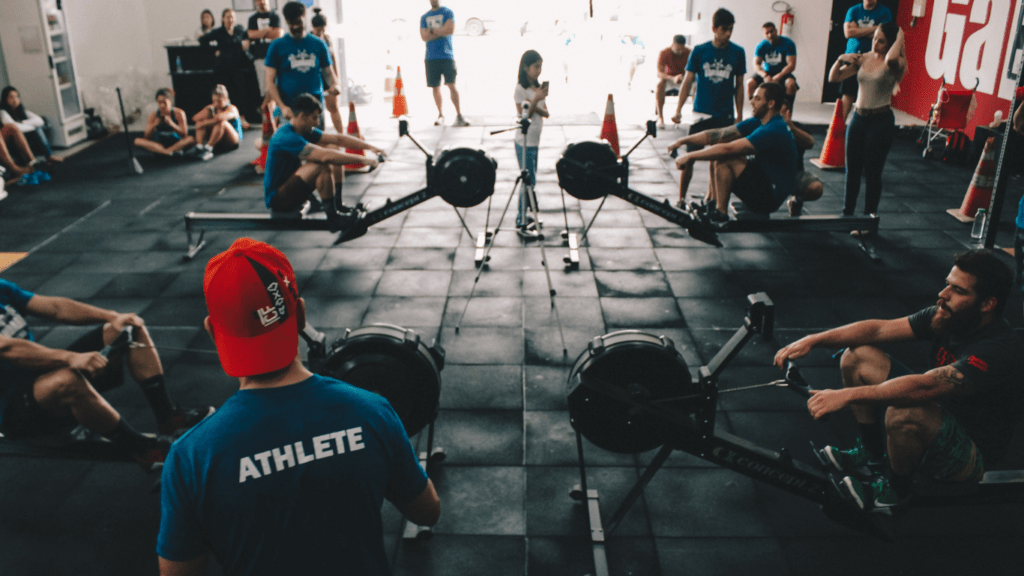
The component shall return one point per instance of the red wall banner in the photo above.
(966, 42)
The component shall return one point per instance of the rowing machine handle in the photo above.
(796, 381)
(119, 343)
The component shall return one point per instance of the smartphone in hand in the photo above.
(545, 84)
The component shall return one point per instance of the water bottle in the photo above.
(979, 224)
(177, 63)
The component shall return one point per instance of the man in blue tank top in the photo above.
(289, 476)
(762, 183)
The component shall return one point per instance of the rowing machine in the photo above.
(630, 392)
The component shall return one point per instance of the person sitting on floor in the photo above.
(220, 122)
(33, 126)
(12, 144)
(762, 183)
(43, 390)
(298, 162)
(808, 186)
(167, 128)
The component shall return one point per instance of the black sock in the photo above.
(901, 485)
(874, 438)
(156, 394)
(127, 437)
(337, 195)
(329, 207)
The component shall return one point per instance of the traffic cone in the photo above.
(400, 108)
(260, 164)
(833, 153)
(979, 193)
(353, 130)
(609, 131)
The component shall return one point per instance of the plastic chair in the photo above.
(950, 113)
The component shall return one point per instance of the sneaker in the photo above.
(42, 176)
(795, 205)
(717, 217)
(460, 121)
(878, 496)
(38, 162)
(182, 419)
(339, 222)
(529, 231)
(207, 155)
(27, 180)
(152, 457)
(439, 121)
(847, 460)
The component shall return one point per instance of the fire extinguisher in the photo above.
(786, 25)
(786, 29)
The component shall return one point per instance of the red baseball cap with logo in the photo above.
(251, 297)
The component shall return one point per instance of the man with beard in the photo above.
(764, 182)
(949, 423)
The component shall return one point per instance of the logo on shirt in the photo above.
(943, 357)
(717, 71)
(302, 61)
(773, 58)
(978, 363)
(292, 455)
(434, 22)
(865, 21)
(12, 324)
(263, 23)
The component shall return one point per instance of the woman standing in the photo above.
(206, 24)
(531, 94)
(319, 24)
(230, 44)
(870, 133)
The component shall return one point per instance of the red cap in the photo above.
(251, 297)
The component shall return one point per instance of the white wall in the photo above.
(810, 33)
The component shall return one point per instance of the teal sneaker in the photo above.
(878, 496)
(847, 460)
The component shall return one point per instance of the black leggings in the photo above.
(868, 140)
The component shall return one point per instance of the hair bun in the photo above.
(317, 10)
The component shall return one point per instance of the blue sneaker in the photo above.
(42, 177)
(27, 180)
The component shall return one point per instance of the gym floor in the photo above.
(106, 236)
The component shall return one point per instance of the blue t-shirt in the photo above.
(1020, 213)
(865, 18)
(298, 64)
(775, 153)
(775, 55)
(13, 302)
(289, 480)
(716, 70)
(438, 48)
(283, 157)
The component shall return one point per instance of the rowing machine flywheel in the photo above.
(588, 170)
(393, 362)
(616, 372)
(465, 177)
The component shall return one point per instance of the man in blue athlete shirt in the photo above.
(762, 183)
(298, 63)
(720, 65)
(289, 476)
(436, 29)
(861, 22)
(299, 161)
(774, 61)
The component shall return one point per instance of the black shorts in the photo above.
(25, 417)
(291, 195)
(754, 188)
(758, 79)
(435, 68)
(708, 124)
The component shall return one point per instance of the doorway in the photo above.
(837, 40)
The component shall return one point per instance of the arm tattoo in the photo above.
(953, 378)
(722, 134)
(306, 151)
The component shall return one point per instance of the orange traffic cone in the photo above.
(260, 163)
(979, 193)
(609, 131)
(400, 108)
(833, 153)
(353, 130)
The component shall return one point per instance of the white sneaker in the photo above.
(460, 121)
(439, 121)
